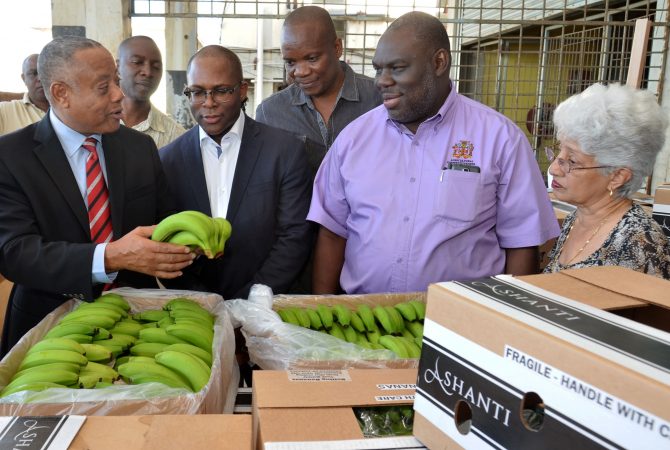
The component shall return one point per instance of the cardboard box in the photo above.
(210, 431)
(276, 345)
(661, 209)
(217, 397)
(500, 349)
(313, 406)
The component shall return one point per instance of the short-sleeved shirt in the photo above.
(291, 110)
(17, 114)
(636, 242)
(160, 127)
(409, 220)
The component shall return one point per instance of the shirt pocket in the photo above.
(457, 197)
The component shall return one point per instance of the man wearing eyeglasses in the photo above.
(254, 175)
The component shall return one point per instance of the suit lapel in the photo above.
(52, 156)
(195, 172)
(115, 171)
(250, 150)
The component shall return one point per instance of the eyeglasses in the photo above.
(565, 165)
(219, 95)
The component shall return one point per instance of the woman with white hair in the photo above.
(609, 138)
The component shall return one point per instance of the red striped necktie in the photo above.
(97, 196)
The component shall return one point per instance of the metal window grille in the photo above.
(521, 57)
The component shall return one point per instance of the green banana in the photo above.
(189, 239)
(420, 308)
(102, 334)
(35, 386)
(343, 314)
(392, 343)
(407, 334)
(193, 314)
(147, 349)
(193, 335)
(407, 311)
(416, 328)
(373, 336)
(368, 317)
(193, 350)
(225, 230)
(165, 322)
(418, 341)
(114, 346)
(314, 319)
(124, 359)
(288, 316)
(151, 315)
(140, 372)
(89, 380)
(384, 319)
(120, 339)
(72, 367)
(102, 384)
(102, 370)
(397, 319)
(357, 322)
(59, 343)
(326, 316)
(63, 329)
(113, 311)
(363, 342)
(181, 303)
(97, 353)
(196, 222)
(337, 331)
(114, 299)
(97, 320)
(413, 351)
(188, 366)
(127, 328)
(350, 334)
(52, 356)
(303, 317)
(159, 335)
(80, 338)
(58, 376)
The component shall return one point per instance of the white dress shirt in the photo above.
(219, 163)
(72, 141)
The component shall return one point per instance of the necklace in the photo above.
(579, 252)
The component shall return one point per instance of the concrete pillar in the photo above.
(107, 22)
(180, 44)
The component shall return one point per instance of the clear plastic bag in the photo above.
(276, 345)
(218, 396)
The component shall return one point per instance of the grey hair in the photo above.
(618, 125)
(55, 59)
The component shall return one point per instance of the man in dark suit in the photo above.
(255, 176)
(73, 217)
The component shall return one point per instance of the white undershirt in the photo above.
(220, 170)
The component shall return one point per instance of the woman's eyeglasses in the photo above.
(566, 166)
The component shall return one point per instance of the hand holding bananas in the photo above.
(195, 230)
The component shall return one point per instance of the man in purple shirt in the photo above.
(429, 187)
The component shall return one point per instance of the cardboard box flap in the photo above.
(634, 284)
(276, 389)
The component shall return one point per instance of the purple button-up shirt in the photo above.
(409, 220)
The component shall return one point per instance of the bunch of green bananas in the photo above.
(384, 421)
(172, 346)
(398, 328)
(195, 230)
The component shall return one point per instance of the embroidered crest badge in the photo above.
(463, 150)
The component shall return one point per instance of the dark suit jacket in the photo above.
(45, 243)
(269, 201)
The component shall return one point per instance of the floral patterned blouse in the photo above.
(637, 242)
